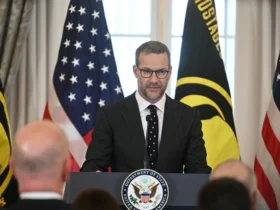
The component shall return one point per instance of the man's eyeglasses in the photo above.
(147, 73)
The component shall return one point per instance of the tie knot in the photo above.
(152, 108)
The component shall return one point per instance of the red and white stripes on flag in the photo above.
(267, 161)
(78, 145)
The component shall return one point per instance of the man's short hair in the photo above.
(224, 194)
(30, 165)
(97, 199)
(152, 47)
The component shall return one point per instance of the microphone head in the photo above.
(148, 117)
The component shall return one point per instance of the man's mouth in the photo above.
(153, 88)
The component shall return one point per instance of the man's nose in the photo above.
(154, 77)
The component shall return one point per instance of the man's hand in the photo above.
(97, 171)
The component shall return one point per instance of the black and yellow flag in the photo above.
(8, 185)
(202, 81)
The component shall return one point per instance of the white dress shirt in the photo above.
(144, 111)
(42, 195)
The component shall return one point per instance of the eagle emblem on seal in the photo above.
(145, 193)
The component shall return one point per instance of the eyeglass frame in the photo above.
(154, 71)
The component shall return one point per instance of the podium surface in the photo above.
(183, 188)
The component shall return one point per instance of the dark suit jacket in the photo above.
(30, 204)
(118, 140)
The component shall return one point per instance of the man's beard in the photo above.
(153, 96)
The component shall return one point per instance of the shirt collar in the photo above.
(143, 104)
(40, 195)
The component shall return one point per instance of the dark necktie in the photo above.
(152, 136)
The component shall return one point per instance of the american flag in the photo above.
(267, 161)
(85, 77)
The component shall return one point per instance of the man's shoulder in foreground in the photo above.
(41, 204)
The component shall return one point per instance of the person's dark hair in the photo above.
(224, 194)
(95, 199)
(152, 47)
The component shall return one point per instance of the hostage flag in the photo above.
(8, 185)
(202, 81)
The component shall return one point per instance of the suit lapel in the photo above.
(131, 115)
(171, 119)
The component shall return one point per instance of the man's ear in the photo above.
(135, 71)
(66, 170)
(12, 166)
(254, 200)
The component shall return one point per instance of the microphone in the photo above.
(148, 118)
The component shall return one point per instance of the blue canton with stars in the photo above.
(276, 85)
(85, 76)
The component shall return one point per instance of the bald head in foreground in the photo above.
(41, 162)
(239, 171)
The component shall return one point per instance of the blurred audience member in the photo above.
(95, 199)
(241, 172)
(40, 161)
(224, 194)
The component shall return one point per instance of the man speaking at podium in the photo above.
(148, 129)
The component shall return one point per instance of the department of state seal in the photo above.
(145, 189)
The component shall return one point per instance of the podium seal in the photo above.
(144, 189)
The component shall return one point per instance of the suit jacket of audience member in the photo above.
(40, 204)
(118, 139)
